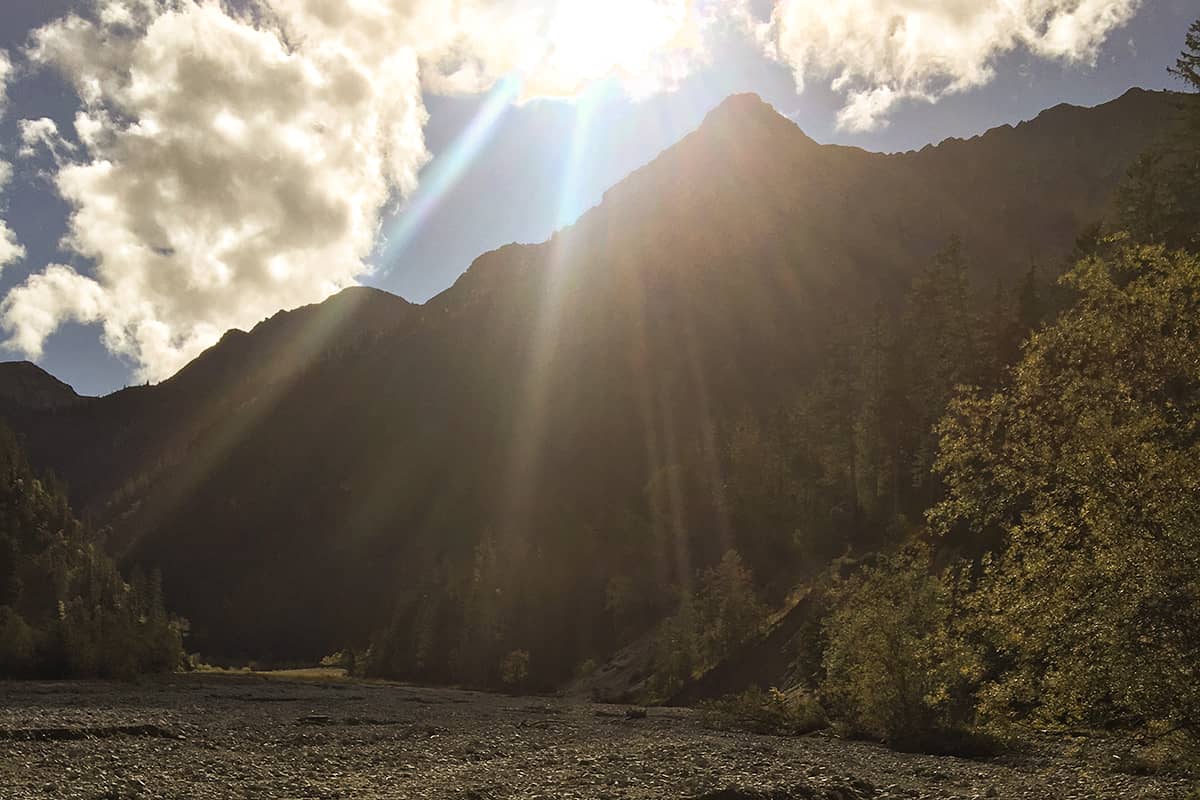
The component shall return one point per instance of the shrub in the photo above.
(514, 669)
(17, 645)
(586, 669)
(895, 670)
(1174, 752)
(772, 712)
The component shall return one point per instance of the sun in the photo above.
(643, 44)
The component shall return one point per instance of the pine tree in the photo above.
(1187, 66)
(1159, 202)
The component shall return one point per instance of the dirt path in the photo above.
(249, 737)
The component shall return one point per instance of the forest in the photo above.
(65, 609)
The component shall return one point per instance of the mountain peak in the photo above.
(745, 106)
(27, 385)
(745, 102)
(747, 115)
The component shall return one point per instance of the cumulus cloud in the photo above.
(223, 175)
(46, 300)
(10, 249)
(38, 135)
(226, 164)
(5, 73)
(879, 53)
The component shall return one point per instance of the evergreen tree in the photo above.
(1160, 199)
(941, 353)
(65, 611)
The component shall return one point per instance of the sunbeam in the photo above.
(447, 169)
(570, 198)
(528, 436)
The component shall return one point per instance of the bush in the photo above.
(772, 712)
(895, 670)
(1171, 753)
(586, 670)
(17, 644)
(514, 669)
(349, 659)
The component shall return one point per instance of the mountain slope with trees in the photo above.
(65, 610)
(1058, 580)
(744, 347)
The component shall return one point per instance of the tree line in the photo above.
(65, 609)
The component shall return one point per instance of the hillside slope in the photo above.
(551, 424)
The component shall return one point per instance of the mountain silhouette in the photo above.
(325, 474)
(25, 386)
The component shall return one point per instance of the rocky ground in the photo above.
(213, 736)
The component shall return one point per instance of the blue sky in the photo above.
(537, 165)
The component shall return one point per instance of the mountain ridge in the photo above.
(349, 479)
(741, 102)
(25, 384)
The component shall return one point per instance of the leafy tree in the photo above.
(1086, 470)
(728, 607)
(723, 614)
(676, 648)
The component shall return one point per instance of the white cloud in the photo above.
(228, 165)
(6, 68)
(42, 135)
(10, 249)
(223, 175)
(46, 300)
(558, 46)
(879, 53)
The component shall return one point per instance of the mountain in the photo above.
(139, 432)
(552, 436)
(26, 386)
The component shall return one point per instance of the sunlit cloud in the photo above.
(10, 249)
(880, 53)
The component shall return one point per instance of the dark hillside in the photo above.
(555, 429)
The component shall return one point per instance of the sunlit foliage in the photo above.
(1087, 466)
(896, 666)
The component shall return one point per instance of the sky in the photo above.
(170, 169)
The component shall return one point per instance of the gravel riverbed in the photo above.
(228, 737)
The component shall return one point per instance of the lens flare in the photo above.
(448, 168)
